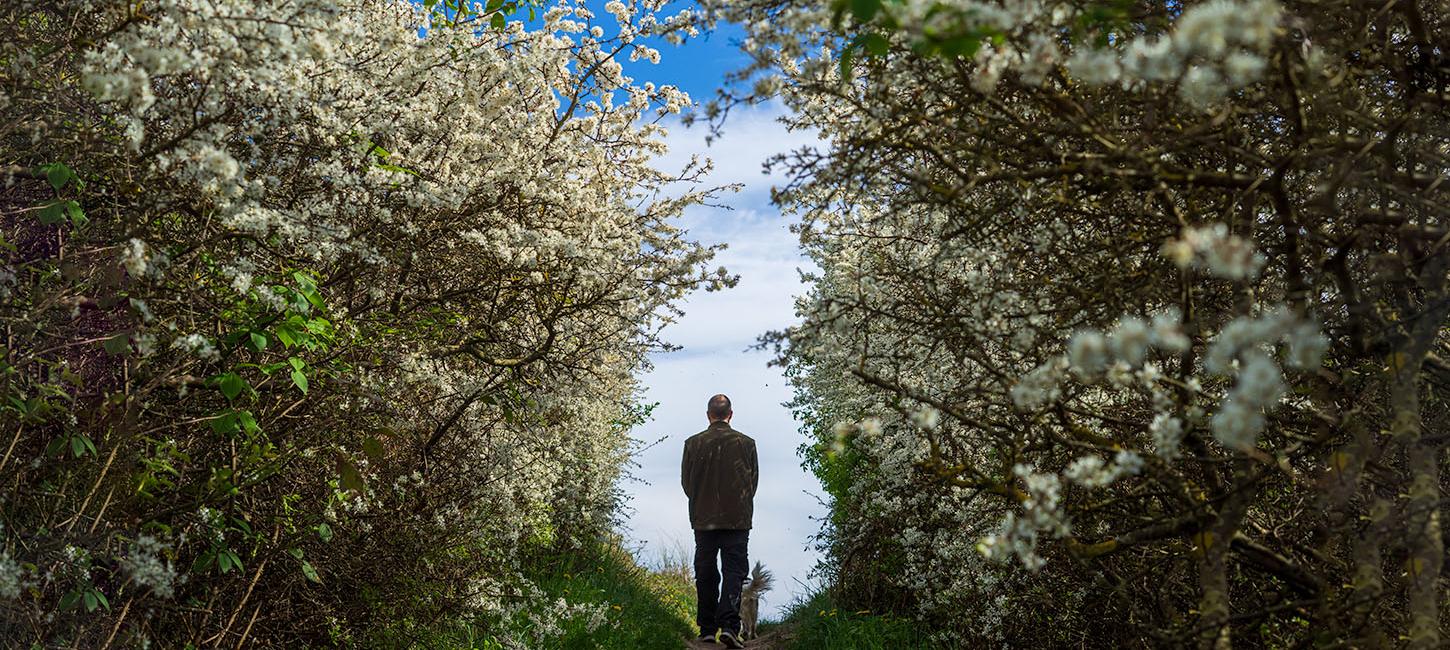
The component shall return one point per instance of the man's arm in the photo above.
(685, 470)
(754, 470)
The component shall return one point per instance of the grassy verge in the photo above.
(817, 623)
(643, 609)
(648, 610)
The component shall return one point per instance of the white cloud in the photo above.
(750, 136)
(762, 252)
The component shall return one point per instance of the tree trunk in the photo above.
(1424, 540)
(1214, 544)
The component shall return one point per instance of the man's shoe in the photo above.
(707, 638)
(730, 641)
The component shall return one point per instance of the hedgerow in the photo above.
(1131, 320)
(319, 314)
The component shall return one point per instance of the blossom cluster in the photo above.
(12, 577)
(1213, 248)
(1209, 50)
(1041, 512)
(1213, 48)
(1240, 349)
(146, 565)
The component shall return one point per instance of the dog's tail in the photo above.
(760, 580)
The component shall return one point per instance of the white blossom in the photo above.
(12, 577)
(197, 344)
(1213, 248)
(1097, 67)
(1306, 346)
(926, 417)
(1238, 423)
(146, 566)
(133, 257)
(1129, 340)
(1088, 353)
(1167, 434)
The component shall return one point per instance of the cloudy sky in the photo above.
(719, 328)
(716, 334)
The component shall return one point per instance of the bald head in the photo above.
(719, 408)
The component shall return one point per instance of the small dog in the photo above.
(758, 583)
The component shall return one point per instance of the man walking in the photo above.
(720, 473)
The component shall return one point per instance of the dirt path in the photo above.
(776, 639)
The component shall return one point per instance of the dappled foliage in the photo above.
(1130, 328)
(318, 315)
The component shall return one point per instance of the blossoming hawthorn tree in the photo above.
(319, 316)
(1130, 327)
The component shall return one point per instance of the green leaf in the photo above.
(231, 385)
(91, 604)
(324, 532)
(204, 561)
(315, 298)
(310, 573)
(259, 341)
(231, 558)
(242, 525)
(350, 478)
(295, 552)
(284, 334)
(304, 281)
(56, 446)
(77, 216)
(249, 423)
(70, 599)
(300, 380)
(319, 326)
(396, 169)
(52, 213)
(85, 444)
(498, 22)
(865, 10)
(270, 368)
(373, 448)
(226, 424)
(102, 597)
(876, 44)
(118, 344)
(58, 174)
(296, 363)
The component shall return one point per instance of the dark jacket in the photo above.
(720, 473)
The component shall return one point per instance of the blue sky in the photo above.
(697, 66)
(719, 328)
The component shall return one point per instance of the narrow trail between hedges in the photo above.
(776, 639)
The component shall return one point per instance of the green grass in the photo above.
(649, 610)
(645, 609)
(817, 623)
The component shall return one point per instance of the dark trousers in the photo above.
(719, 609)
